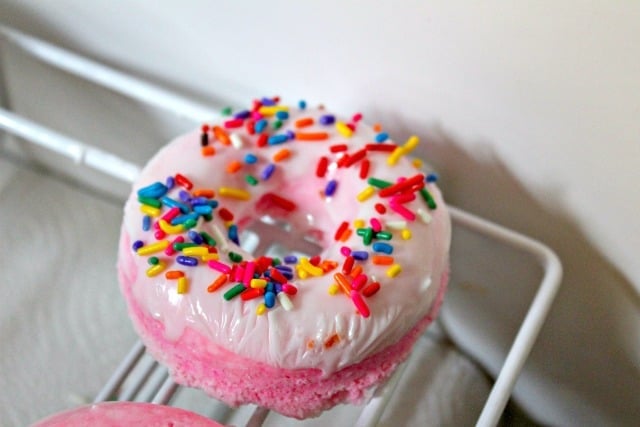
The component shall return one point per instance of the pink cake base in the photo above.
(300, 393)
(117, 414)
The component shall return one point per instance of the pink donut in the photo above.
(117, 414)
(298, 334)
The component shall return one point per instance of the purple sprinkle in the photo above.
(146, 223)
(195, 237)
(360, 255)
(291, 259)
(137, 245)
(170, 183)
(184, 195)
(327, 119)
(330, 189)
(199, 201)
(267, 102)
(281, 268)
(268, 171)
(278, 288)
(189, 261)
(244, 114)
(291, 134)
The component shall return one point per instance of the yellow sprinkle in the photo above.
(261, 309)
(417, 163)
(411, 144)
(310, 268)
(235, 193)
(344, 130)
(170, 229)
(366, 193)
(183, 285)
(394, 270)
(150, 210)
(406, 234)
(333, 289)
(154, 270)
(359, 223)
(153, 248)
(210, 257)
(395, 156)
(195, 251)
(270, 110)
(258, 283)
(302, 274)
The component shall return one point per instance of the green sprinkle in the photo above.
(383, 235)
(180, 246)
(368, 236)
(277, 124)
(207, 217)
(235, 257)
(275, 262)
(428, 198)
(150, 202)
(251, 180)
(207, 238)
(226, 111)
(190, 223)
(360, 231)
(378, 183)
(153, 260)
(234, 292)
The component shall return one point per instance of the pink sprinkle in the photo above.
(360, 304)
(359, 282)
(239, 276)
(248, 273)
(402, 211)
(255, 115)
(234, 123)
(170, 251)
(376, 225)
(357, 117)
(345, 250)
(289, 289)
(159, 234)
(403, 198)
(218, 266)
(171, 214)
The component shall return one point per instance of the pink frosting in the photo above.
(282, 338)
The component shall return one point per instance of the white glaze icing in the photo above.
(280, 337)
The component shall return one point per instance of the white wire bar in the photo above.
(120, 168)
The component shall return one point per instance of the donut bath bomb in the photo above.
(363, 271)
(118, 414)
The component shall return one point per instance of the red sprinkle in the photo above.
(355, 157)
(343, 160)
(233, 123)
(321, 169)
(183, 181)
(371, 289)
(338, 148)
(364, 169)
(277, 276)
(381, 147)
(380, 208)
(403, 185)
(251, 294)
(348, 264)
(205, 128)
(315, 260)
(357, 117)
(280, 201)
(225, 214)
(289, 289)
(341, 230)
(251, 127)
(262, 140)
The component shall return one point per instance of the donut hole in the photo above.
(276, 237)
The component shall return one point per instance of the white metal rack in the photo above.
(152, 382)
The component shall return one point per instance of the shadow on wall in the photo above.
(588, 352)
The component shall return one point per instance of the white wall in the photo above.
(529, 111)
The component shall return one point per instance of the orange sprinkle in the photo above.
(281, 155)
(356, 271)
(343, 282)
(382, 259)
(312, 136)
(328, 265)
(304, 122)
(345, 235)
(221, 135)
(173, 274)
(377, 127)
(234, 166)
(311, 344)
(221, 280)
(203, 192)
(208, 151)
(333, 340)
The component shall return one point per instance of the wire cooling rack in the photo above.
(140, 378)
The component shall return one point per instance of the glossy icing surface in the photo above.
(321, 330)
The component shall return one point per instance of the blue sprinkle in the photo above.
(330, 188)
(233, 234)
(277, 139)
(302, 104)
(327, 119)
(269, 299)
(184, 218)
(170, 182)
(287, 274)
(291, 134)
(382, 137)
(250, 158)
(267, 102)
(383, 247)
(278, 288)
(203, 209)
(174, 203)
(260, 125)
(189, 261)
(282, 115)
(154, 191)
(270, 287)
(213, 204)
(185, 196)
(195, 237)
(242, 114)
(291, 259)
(137, 245)
(281, 268)
(268, 171)
(360, 255)
(199, 201)
(146, 223)
(432, 177)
